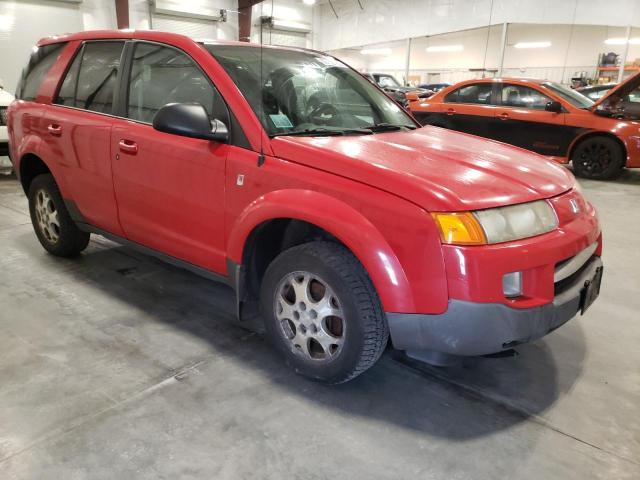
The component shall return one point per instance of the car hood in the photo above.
(622, 89)
(5, 98)
(438, 169)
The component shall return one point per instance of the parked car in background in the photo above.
(395, 89)
(6, 167)
(629, 103)
(434, 87)
(598, 138)
(595, 92)
(343, 225)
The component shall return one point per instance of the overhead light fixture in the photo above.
(622, 41)
(309, 2)
(445, 48)
(532, 44)
(375, 51)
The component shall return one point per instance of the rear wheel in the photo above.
(322, 313)
(55, 229)
(598, 158)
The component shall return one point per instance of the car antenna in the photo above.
(261, 157)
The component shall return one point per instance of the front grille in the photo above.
(3, 116)
(565, 283)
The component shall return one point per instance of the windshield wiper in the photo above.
(324, 132)
(388, 127)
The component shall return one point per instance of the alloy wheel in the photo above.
(310, 316)
(47, 217)
(595, 158)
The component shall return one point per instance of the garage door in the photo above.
(284, 38)
(191, 27)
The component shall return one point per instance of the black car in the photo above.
(395, 89)
(629, 105)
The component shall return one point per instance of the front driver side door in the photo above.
(523, 121)
(169, 188)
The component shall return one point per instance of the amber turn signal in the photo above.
(459, 228)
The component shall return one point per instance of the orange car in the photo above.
(542, 116)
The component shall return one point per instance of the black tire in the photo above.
(363, 330)
(598, 158)
(64, 240)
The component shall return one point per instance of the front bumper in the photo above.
(473, 328)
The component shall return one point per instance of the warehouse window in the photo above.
(476, 93)
(41, 60)
(523, 97)
(91, 81)
(162, 75)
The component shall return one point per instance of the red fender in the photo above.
(340, 220)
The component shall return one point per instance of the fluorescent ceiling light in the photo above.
(375, 51)
(445, 48)
(309, 2)
(532, 44)
(622, 41)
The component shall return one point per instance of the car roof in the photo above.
(153, 35)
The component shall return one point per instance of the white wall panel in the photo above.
(22, 24)
(388, 20)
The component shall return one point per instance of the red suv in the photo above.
(289, 176)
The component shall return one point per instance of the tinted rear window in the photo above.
(41, 60)
(90, 82)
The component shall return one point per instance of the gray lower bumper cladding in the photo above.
(469, 328)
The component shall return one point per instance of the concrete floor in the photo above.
(114, 365)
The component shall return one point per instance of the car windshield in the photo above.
(574, 98)
(300, 92)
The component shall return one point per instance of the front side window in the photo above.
(300, 92)
(479, 93)
(41, 60)
(520, 96)
(90, 82)
(162, 75)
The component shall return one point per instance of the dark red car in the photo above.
(289, 176)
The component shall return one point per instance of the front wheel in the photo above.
(322, 313)
(55, 229)
(598, 158)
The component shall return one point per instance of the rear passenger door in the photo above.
(470, 109)
(170, 188)
(523, 121)
(78, 127)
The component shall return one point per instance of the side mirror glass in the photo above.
(190, 120)
(554, 107)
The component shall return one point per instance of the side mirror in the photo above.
(412, 96)
(189, 120)
(555, 107)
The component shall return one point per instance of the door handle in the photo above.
(503, 116)
(55, 129)
(128, 146)
(450, 111)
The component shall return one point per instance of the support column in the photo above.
(503, 47)
(244, 19)
(407, 62)
(122, 13)
(623, 59)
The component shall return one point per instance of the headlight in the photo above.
(496, 225)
